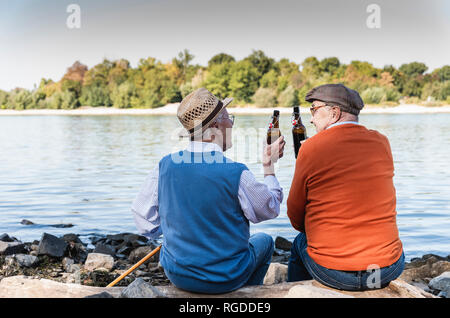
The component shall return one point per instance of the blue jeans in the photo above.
(261, 246)
(302, 267)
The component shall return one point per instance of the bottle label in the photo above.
(270, 125)
(294, 122)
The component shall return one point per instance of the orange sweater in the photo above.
(343, 198)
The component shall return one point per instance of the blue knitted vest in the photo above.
(204, 229)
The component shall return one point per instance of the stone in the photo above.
(71, 238)
(66, 263)
(26, 222)
(444, 294)
(52, 246)
(101, 295)
(441, 282)
(77, 251)
(25, 260)
(73, 268)
(61, 226)
(140, 289)
(97, 260)
(277, 273)
(5, 238)
(131, 238)
(427, 270)
(9, 248)
(139, 253)
(302, 291)
(117, 237)
(125, 250)
(283, 244)
(26, 287)
(104, 249)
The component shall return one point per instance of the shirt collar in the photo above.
(344, 122)
(200, 146)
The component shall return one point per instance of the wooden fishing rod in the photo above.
(118, 279)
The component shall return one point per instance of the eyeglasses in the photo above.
(314, 109)
(230, 117)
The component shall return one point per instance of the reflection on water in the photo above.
(86, 170)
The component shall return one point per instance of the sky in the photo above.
(35, 41)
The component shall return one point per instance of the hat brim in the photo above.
(225, 103)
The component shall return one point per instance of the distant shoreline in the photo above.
(171, 109)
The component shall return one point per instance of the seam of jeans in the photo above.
(330, 278)
(387, 277)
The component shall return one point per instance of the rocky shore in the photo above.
(68, 260)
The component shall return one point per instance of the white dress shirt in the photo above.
(259, 201)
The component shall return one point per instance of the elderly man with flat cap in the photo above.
(202, 202)
(342, 199)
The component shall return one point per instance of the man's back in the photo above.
(343, 197)
(205, 231)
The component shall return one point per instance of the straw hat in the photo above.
(199, 109)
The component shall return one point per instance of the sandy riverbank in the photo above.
(171, 109)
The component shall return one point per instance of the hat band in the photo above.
(208, 119)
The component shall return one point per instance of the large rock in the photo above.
(282, 243)
(5, 238)
(305, 291)
(139, 253)
(9, 248)
(423, 270)
(104, 249)
(277, 273)
(97, 260)
(26, 287)
(441, 282)
(71, 237)
(52, 246)
(23, 287)
(140, 289)
(25, 260)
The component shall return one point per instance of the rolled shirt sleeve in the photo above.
(145, 207)
(259, 201)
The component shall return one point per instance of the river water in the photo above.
(86, 170)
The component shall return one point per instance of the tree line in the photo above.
(256, 79)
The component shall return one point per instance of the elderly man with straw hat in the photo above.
(202, 202)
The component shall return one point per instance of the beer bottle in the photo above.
(298, 130)
(274, 129)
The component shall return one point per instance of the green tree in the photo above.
(19, 99)
(62, 100)
(444, 73)
(122, 95)
(329, 64)
(217, 79)
(413, 69)
(310, 67)
(182, 62)
(265, 97)
(288, 97)
(3, 99)
(270, 79)
(243, 80)
(220, 59)
(261, 62)
(94, 95)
